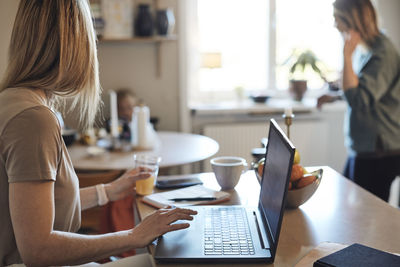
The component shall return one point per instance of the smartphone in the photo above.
(178, 183)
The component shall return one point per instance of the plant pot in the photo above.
(297, 88)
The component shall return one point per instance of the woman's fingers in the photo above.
(177, 226)
(161, 222)
(141, 176)
(169, 216)
(178, 216)
(181, 210)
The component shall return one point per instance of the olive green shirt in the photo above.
(32, 149)
(372, 123)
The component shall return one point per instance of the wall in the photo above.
(8, 9)
(133, 65)
(389, 19)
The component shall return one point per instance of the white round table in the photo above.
(174, 148)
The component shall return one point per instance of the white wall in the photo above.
(8, 9)
(389, 19)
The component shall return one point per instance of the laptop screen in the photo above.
(277, 168)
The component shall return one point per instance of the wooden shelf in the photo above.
(151, 39)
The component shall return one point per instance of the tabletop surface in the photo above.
(174, 148)
(339, 211)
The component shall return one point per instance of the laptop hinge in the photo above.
(259, 231)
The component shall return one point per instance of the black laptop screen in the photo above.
(278, 164)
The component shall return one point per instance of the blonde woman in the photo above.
(53, 57)
(371, 87)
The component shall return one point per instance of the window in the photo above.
(239, 37)
(236, 50)
(306, 24)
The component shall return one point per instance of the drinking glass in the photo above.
(146, 164)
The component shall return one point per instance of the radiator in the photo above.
(313, 139)
(236, 139)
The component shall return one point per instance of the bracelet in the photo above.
(102, 198)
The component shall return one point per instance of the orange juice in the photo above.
(145, 186)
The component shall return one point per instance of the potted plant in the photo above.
(301, 61)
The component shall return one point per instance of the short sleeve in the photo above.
(32, 146)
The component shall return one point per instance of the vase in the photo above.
(165, 21)
(144, 21)
(297, 89)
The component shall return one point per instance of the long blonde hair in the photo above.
(53, 47)
(360, 16)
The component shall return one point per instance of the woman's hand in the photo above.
(326, 99)
(159, 223)
(349, 78)
(351, 40)
(125, 185)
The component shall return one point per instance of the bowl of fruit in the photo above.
(258, 168)
(302, 185)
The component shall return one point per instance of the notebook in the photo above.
(237, 233)
(163, 199)
(358, 255)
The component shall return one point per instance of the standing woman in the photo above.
(371, 87)
(53, 57)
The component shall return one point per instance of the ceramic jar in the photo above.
(144, 21)
(165, 21)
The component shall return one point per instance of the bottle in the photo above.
(139, 127)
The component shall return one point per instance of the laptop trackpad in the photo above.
(181, 243)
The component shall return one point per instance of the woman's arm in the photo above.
(32, 215)
(118, 189)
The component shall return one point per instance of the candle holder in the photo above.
(288, 121)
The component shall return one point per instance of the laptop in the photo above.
(237, 233)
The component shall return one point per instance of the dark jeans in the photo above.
(374, 174)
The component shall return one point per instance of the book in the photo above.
(163, 199)
(358, 255)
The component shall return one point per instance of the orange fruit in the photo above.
(305, 180)
(297, 172)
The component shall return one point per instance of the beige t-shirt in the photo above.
(32, 149)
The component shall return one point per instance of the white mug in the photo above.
(228, 170)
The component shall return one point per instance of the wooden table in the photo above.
(174, 148)
(339, 211)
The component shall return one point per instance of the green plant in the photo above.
(299, 60)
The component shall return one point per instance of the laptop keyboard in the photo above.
(227, 232)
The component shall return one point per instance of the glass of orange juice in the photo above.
(146, 164)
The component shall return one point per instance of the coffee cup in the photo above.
(228, 170)
(146, 164)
